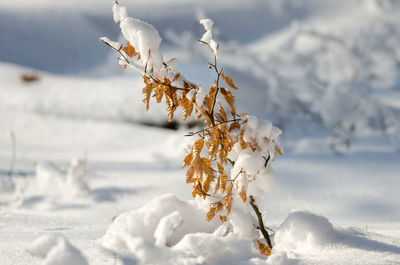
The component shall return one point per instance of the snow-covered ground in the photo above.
(90, 181)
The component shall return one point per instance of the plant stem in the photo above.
(260, 221)
(13, 154)
(206, 129)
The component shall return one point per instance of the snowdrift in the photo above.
(170, 231)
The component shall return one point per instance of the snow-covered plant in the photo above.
(230, 158)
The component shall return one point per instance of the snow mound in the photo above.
(303, 229)
(7, 185)
(201, 248)
(53, 187)
(166, 219)
(166, 227)
(56, 250)
(71, 184)
(303, 232)
(170, 231)
(9, 191)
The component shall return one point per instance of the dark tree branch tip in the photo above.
(260, 221)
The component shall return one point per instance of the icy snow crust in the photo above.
(316, 68)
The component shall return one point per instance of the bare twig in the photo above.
(165, 84)
(215, 125)
(117, 50)
(219, 72)
(13, 154)
(266, 160)
(229, 193)
(260, 221)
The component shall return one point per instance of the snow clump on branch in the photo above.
(255, 173)
(207, 37)
(142, 36)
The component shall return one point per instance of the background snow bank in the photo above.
(59, 184)
(7, 185)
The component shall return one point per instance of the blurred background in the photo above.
(326, 72)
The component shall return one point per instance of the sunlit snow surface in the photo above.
(91, 183)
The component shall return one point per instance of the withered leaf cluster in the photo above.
(207, 161)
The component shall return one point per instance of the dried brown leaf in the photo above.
(228, 81)
(187, 160)
(230, 99)
(210, 98)
(223, 218)
(129, 50)
(278, 150)
(264, 249)
(212, 212)
(228, 204)
(196, 191)
(222, 112)
(146, 91)
(243, 144)
(176, 77)
(197, 147)
(242, 194)
(189, 175)
(186, 105)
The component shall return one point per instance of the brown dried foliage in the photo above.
(207, 160)
(264, 249)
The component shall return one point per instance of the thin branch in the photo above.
(202, 191)
(267, 228)
(260, 221)
(230, 191)
(209, 128)
(13, 154)
(231, 161)
(165, 84)
(211, 115)
(117, 50)
(217, 84)
(266, 160)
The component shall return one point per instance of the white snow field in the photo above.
(88, 176)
